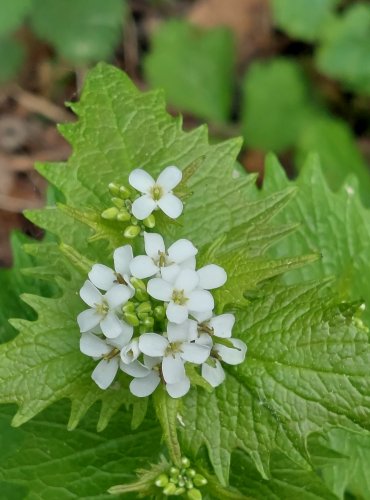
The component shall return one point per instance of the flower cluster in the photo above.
(152, 314)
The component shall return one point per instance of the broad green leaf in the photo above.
(84, 31)
(275, 104)
(12, 14)
(344, 50)
(307, 369)
(194, 67)
(301, 18)
(11, 56)
(336, 146)
(42, 460)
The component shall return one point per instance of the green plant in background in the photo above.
(272, 426)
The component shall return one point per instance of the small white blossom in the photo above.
(183, 296)
(103, 309)
(220, 326)
(180, 254)
(107, 350)
(156, 194)
(130, 352)
(105, 278)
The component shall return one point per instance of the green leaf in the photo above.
(344, 50)
(302, 19)
(195, 68)
(272, 91)
(11, 56)
(83, 32)
(44, 460)
(12, 15)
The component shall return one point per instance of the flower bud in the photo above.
(118, 202)
(113, 189)
(149, 221)
(189, 485)
(144, 307)
(181, 482)
(174, 471)
(190, 472)
(179, 491)
(131, 319)
(123, 215)
(129, 307)
(169, 489)
(161, 481)
(131, 232)
(159, 313)
(134, 220)
(194, 494)
(199, 480)
(148, 323)
(141, 295)
(110, 213)
(124, 192)
(185, 462)
(138, 284)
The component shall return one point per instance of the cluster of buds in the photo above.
(184, 481)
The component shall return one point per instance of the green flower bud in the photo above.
(118, 202)
(110, 213)
(123, 215)
(141, 295)
(113, 189)
(129, 307)
(131, 232)
(149, 221)
(174, 471)
(134, 220)
(189, 484)
(169, 489)
(181, 482)
(179, 491)
(124, 192)
(131, 319)
(159, 313)
(194, 494)
(144, 307)
(161, 481)
(148, 322)
(185, 462)
(190, 472)
(142, 316)
(199, 480)
(138, 284)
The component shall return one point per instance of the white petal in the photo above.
(160, 289)
(173, 369)
(170, 273)
(104, 373)
(180, 389)
(232, 356)
(145, 386)
(141, 180)
(205, 339)
(90, 294)
(93, 346)
(171, 205)
(130, 352)
(214, 375)
(169, 178)
(88, 319)
(135, 369)
(152, 344)
(102, 276)
(154, 244)
(150, 361)
(187, 281)
(201, 317)
(192, 329)
(200, 301)
(222, 325)
(195, 353)
(143, 207)
(211, 276)
(143, 266)
(122, 257)
(189, 263)
(181, 250)
(178, 332)
(117, 296)
(124, 337)
(111, 326)
(176, 313)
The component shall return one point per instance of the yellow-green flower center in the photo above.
(156, 192)
(178, 297)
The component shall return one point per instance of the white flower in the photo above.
(108, 351)
(174, 350)
(130, 352)
(220, 326)
(105, 278)
(181, 253)
(103, 309)
(156, 194)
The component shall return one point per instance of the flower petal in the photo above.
(200, 301)
(102, 276)
(141, 180)
(143, 266)
(178, 332)
(173, 368)
(124, 337)
(150, 361)
(154, 245)
(180, 389)
(170, 273)
(195, 353)
(211, 276)
(160, 289)
(111, 326)
(88, 319)
(130, 352)
(122, 257)
(143, 207)
(222, 325)
(117, 296)
(169, 178)
(187, 280)
(90, 294)
(205, 339)
(153, 344)
(93, 346)
(232, 356)
(189, 263)
(202, 317)
(142, 387)
(104, 373)
(171, 205)
(135, 369)
(214, 375)
(181, 250)
(176, 313)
